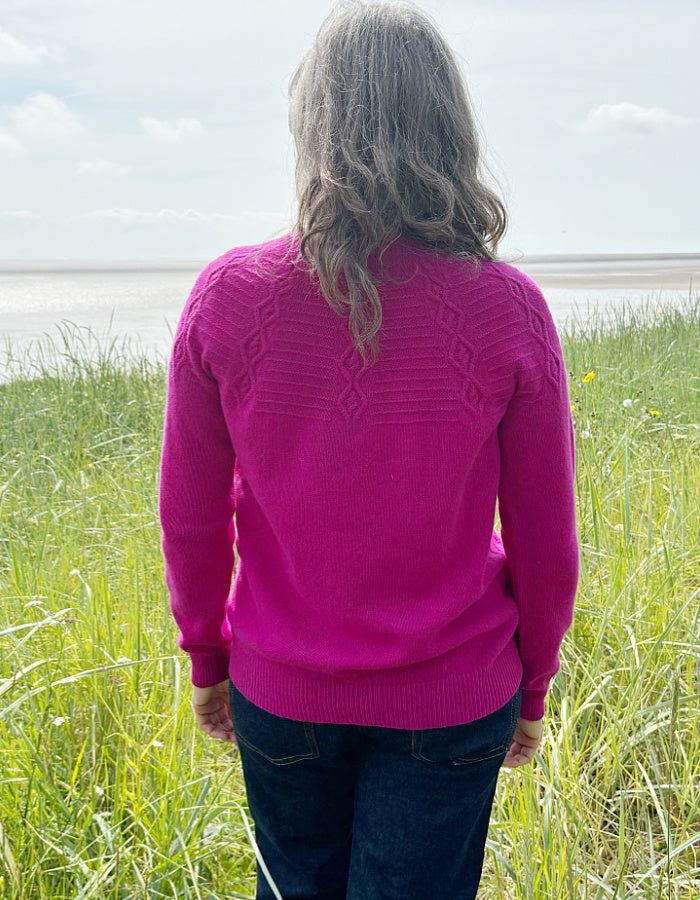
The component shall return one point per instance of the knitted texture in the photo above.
(371, 587)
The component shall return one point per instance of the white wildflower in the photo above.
(59, 720)
(157, 744)
(123, 659)
(627, 403)
(585, 433)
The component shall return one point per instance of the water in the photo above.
(139, 301)
(142, 301)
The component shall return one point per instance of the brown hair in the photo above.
(386, 145)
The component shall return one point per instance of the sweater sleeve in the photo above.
(196, 507)
(537, 509)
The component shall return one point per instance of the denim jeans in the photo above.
(348, 812)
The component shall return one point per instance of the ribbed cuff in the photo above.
(209, 669)
(533, 705)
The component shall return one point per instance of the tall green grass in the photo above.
(110, 791)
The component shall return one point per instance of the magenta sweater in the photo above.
(370, 587)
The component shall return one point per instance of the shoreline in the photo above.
(580, 271)
(653, 272)
(653, 281)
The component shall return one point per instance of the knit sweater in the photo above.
(370, 587)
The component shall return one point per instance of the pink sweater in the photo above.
(371, 587)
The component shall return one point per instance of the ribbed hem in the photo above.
(435, 694)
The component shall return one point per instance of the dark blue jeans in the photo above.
(347, 812)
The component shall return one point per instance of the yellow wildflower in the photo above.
(589, 377)
(654, 412)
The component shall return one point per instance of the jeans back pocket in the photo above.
(473, 742)
(280, 741)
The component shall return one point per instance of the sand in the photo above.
(671, 271)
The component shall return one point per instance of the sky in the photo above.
(146, 129)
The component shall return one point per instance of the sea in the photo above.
(137, 303)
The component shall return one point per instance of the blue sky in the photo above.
(147, 129)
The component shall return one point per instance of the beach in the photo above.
(660, 272)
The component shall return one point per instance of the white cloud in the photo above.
(102, 167)
(44, 116)
(628, 117)
(18, 215)
(9, 144)
(14, 53)
(119, 214)
(165, 131)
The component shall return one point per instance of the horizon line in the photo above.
(512, 256)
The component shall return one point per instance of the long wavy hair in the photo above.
(386, 145)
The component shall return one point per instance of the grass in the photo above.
(110, 791)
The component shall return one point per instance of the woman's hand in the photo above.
(213, 711)
(526, 740)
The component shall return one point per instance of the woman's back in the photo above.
(364, 497)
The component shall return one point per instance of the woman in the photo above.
(346, 404)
